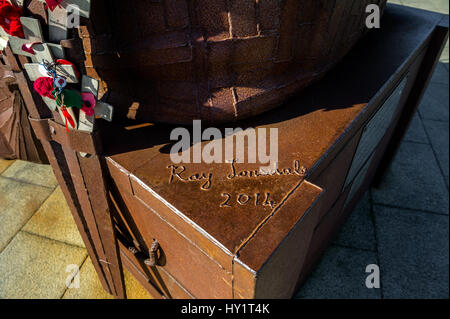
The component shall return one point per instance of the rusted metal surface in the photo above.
(155, 279)
(49, 130)
(216, 60)
(196, 237)
(433, 54)
(250, 244)
(17, 139)
(81, 179)
(64, 164)
(62, 173)
(153, 254)
(148, 225)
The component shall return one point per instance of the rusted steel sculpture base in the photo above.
(217, 60)
(17, 139)
(225, 231)
(171, 234)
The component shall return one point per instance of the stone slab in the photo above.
(413, 252)
(33, 267)
(32, 173)
(18, 202)
(54, 220)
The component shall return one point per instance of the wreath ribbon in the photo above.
(68, 119)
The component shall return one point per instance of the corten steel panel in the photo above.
(6, 114)
(323, 235)
(275, 254)
(336, 216)
(182, 258)
(17, 139)
(333, 177)
(155, 279)
(217, 60)
(248, 241)
(424, 74)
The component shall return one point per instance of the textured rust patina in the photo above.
(17, 140)
(216, 60)
(214, 245)
(182, 241)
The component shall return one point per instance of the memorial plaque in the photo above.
(34, 40)
(18, 3)
(3, 33)
(57, 25)
(56, 50)
(104, 111)
(41, 51)
(83, 6)
(32, 29)
(34, 72)
(64, 13)
(87, 122)
(375, 130)
(50, 103)
(359, 179)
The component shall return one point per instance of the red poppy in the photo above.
(10, 20)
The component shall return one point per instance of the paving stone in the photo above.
(442, 5)
(434, 5)
(414, 181)
(33, 267)
(435, 105)
(4, 164)
(416, 131)
(445, 55)
(91, 288)
(359, 231)
(439, 140)
(54, 220)
(18, 202)
(341, 274)
(440, 74)
(414, 253)
(37, 174)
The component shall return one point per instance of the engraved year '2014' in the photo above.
(256, 199)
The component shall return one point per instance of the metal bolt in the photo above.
(152, 261)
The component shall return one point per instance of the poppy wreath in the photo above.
(10, 19)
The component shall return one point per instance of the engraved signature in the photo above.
(245, 199)
(297, 169)
(178, 172)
